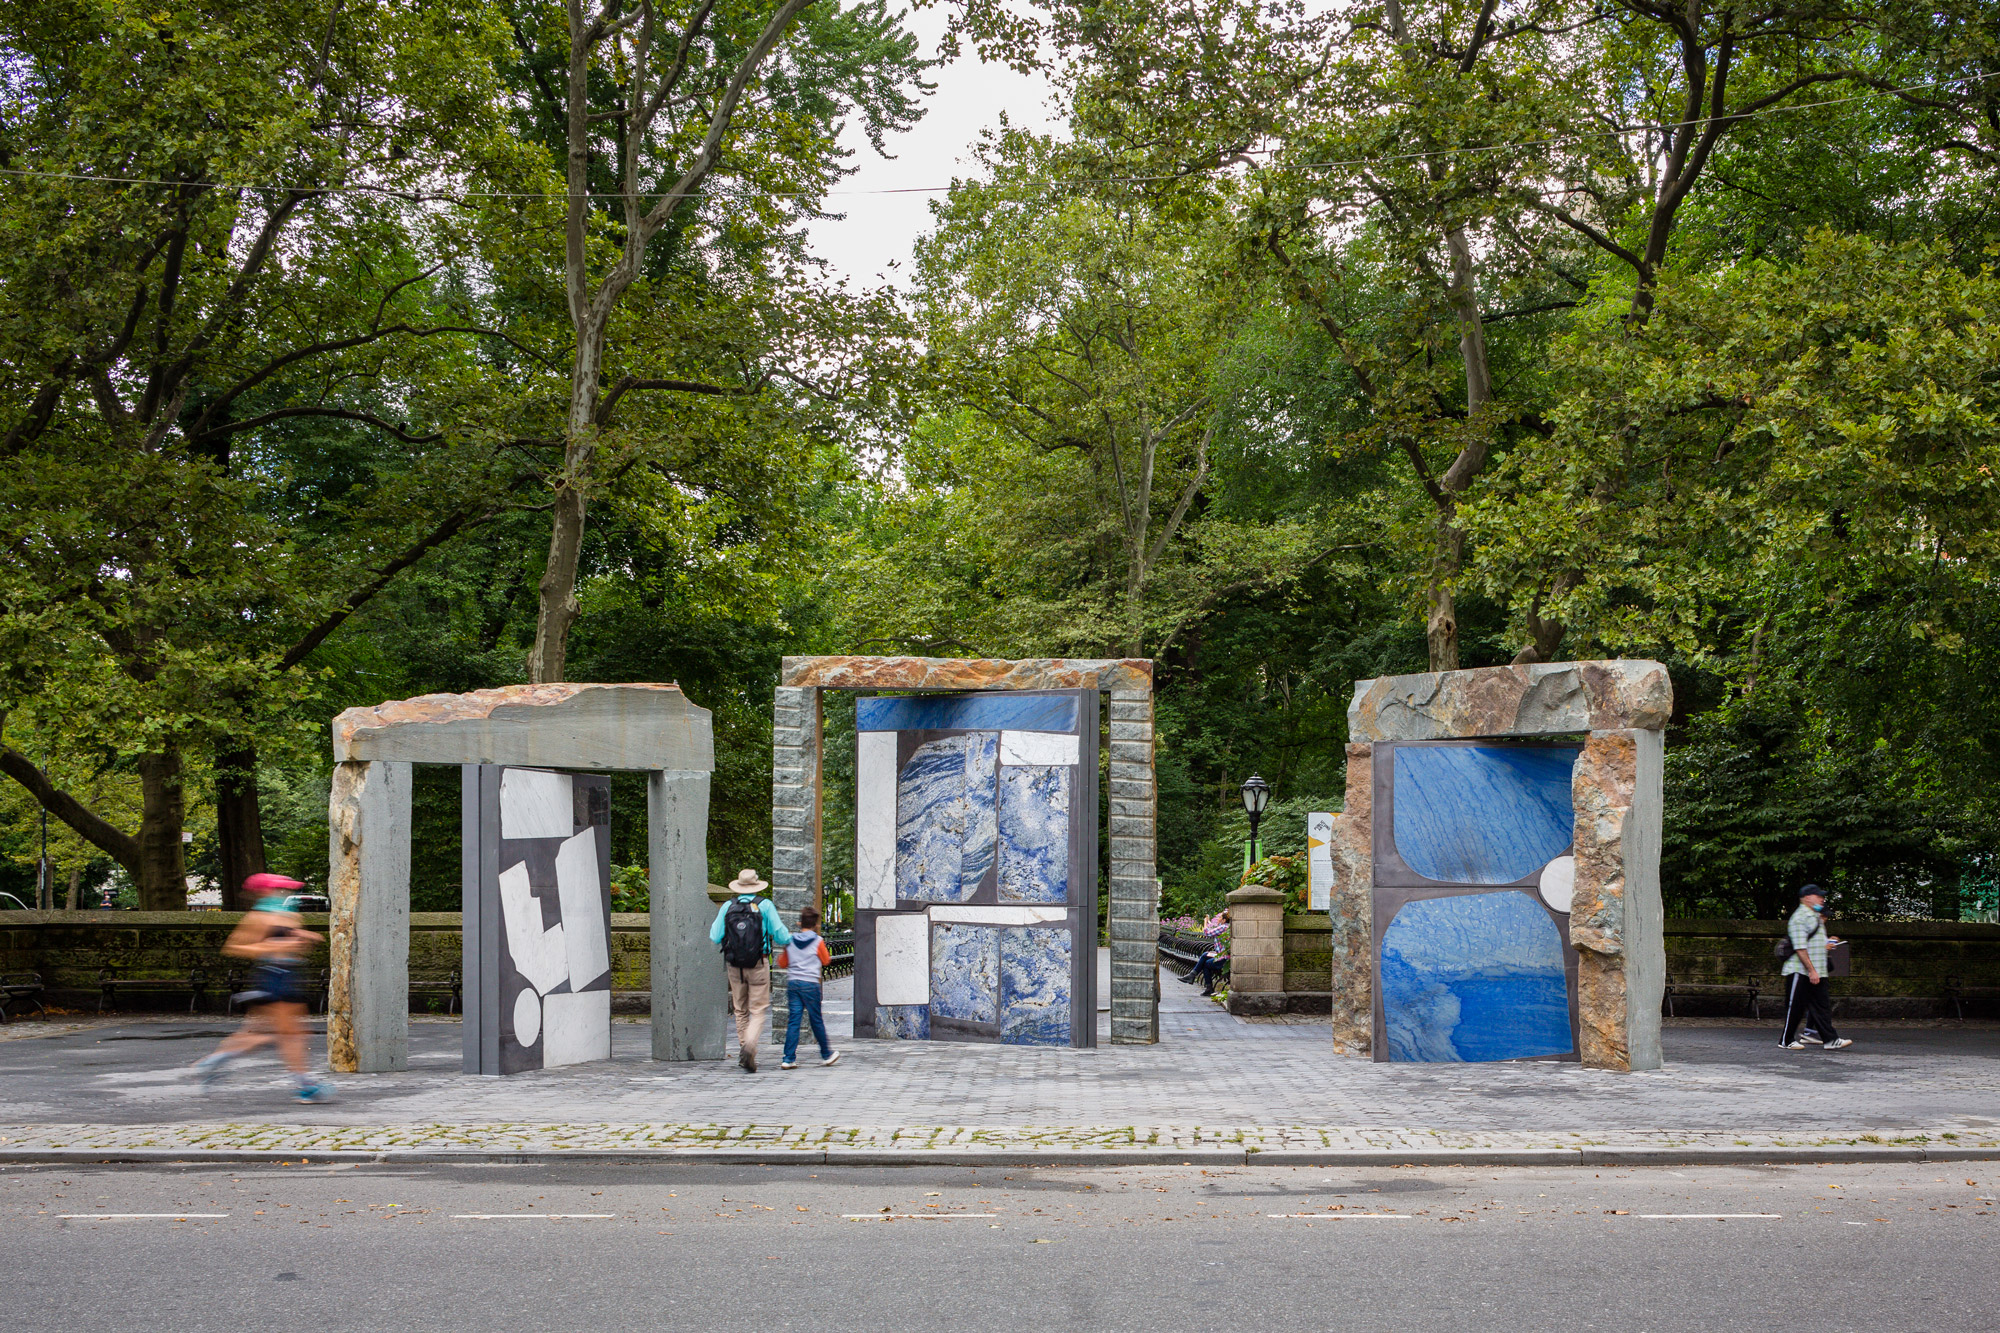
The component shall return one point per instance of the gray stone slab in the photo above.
(688, 1017)
(368, 851)
(574, 726)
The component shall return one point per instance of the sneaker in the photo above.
(1795, 1046)
(212, 1071)
(1812, 1037)
(315, 1092)
(750, 1059)
(788, 1064)
(833, 1059)
(1839, 1044)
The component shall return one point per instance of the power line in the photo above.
(1613, 131)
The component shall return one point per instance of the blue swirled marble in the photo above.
(965, 972)
(1034, 834)
(945, 830)
(904, 1022)
(1035, 985)
(996, 710)
(1482, 814)
(1474, 977)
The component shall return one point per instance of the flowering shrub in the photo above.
(1286, 874)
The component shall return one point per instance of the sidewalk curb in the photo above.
(1036, 1159)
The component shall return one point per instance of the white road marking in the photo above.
(897, 1217)
(1348, 1217)
(1707, 1216)
(501, 1217)
(100, 1217)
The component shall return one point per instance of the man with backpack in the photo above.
(1808, 1003)
(748, 929)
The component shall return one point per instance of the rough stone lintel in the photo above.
(1536, 700)
(1133, 674)
(576, 726)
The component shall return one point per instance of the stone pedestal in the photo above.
(688, 1024)
(1256, 950)
(368, 985)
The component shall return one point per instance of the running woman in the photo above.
(271, 935)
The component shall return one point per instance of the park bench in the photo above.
(110, 986)
(451, 985)
(25, 987)
(1747, 988)
(841, 946)
(1958, 992)
(1185, 950)
(311, 984)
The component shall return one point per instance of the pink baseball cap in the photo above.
(264, 883)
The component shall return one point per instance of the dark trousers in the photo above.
(1207, 970)
(803, 996)
(1808, 1004)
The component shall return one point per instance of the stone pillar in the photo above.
(1256, 950)
(795, 815)
(1351, 908)
(689, 1015)
(1134, 900)
(1615, 919)
(368, 1011)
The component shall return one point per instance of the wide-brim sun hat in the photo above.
(746, 881)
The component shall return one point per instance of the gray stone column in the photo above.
(1351, 908)
(1616, 916)
(795, 818)
(689, 1016)
(368, 848)
(1135, 888)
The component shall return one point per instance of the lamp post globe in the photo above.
(1256, 795)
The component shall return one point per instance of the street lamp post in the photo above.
(1256, 795)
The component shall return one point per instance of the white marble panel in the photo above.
(527, 1017)
(875, 820)
(1040, 747)
(538, 954)
(1319, 861)
(1000, 916)
(576, 1028)
(1558, 883)
(534, 804)
(586, 934)
(903, 959)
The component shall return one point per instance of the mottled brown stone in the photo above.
(1351, 909)
(1133, 674)
(1543, 699)
(1614, 920)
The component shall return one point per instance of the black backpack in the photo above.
(743, 933)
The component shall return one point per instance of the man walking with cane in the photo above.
(748, 929)
(1808, 1004)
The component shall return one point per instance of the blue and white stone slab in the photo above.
(997, 711)
(1035, 985)
(965, 972)
(1000, 916)
(1040, 747)
(1482, 814)
(903, 1022)
(1474, 977)
(902, 959)
(875, 820)
(945, 828)
(1034, 819)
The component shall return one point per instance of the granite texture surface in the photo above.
(1482, 814)
(903, 1022)
(1615, 907)
(1351, 909)
(1474, 977)
(965, 972)
(945, 832)
(1543, 699)
(633, 727)
(1033, 819)
(1035, 985)
(955, 673)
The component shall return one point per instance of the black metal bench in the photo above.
(110, 986)
(1746, 988)
(1958, 992)
(311, 983)
(450, 986)
(1187, 950)
(25, 987)
(841, 946)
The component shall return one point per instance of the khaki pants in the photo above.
(750, 1001)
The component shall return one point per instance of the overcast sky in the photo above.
(880, 228)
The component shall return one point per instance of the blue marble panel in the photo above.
(965, 972)
(1035, 985)
(1034, 834)
(1482, 814)
(1475, 977)
(940, 712)
(903, 1022)
(945, 830)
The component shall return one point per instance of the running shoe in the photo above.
(788, 1064)
(1795, 1046)
(1839, 1044)
(833, 1059)
(315, 1092)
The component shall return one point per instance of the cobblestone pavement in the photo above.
(1212, 1080)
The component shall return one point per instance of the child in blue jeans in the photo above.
(803, 958)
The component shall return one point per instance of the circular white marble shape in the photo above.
(527, 1017)
(1558, 883)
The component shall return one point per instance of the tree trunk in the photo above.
(162, 878)
(557, 590)
(1441, 621)
(239, 824)
(75, 881)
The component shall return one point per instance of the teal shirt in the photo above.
(775, 934)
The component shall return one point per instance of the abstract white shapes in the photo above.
(534, 804)
(527, 1018)
(1558, 883)
(1040, 747)
(1319, 861)
(902, 959)
(538, 954)
(582, 896)
(576, 1028)
(875, 820)
(1000, 916)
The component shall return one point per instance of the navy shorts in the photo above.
(272, 983)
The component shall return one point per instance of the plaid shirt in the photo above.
(1807, 929)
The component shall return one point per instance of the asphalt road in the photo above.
(1904, 1248)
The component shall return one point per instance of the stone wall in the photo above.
(1901, 968)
